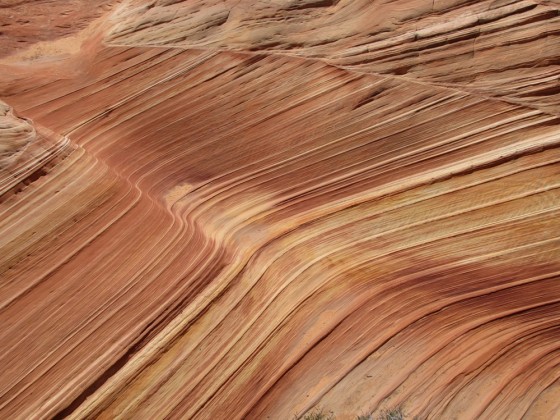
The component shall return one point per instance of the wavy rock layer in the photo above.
(193, 232)
(504, 48)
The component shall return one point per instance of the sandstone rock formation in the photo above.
(247, 209)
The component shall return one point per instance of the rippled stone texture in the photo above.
(239, 209)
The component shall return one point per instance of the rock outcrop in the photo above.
(239, 209)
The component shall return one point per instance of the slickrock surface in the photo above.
(24, 23)
(249, 209)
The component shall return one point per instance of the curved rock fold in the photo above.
(238, 209)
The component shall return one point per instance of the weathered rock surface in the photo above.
(239, 209)
(507, 49)
(24, 23)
